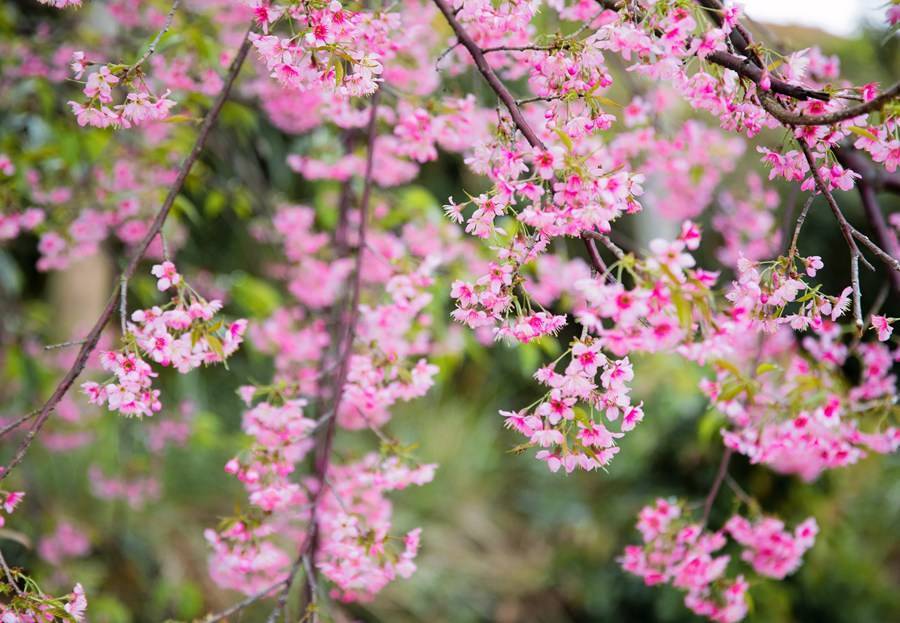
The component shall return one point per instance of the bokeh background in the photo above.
(504, 539)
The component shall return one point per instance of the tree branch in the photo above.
(495, 83)
(323, 451)
(93, 336)
(851, 159)
(846, 232)
(151, 49)
(747, 69)
(790, 118)
(717, 484)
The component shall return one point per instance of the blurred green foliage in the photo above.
(504, 540)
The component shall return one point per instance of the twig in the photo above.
(739, 492)
(323, 454)
(792, 251)
(857, 295)
(313, 590)
(609, 244)
(93, 336)
(123, 302)
(885, 257)
(846, 231)
(596, 261)
(866, 184)
(717, 484)
(481, 63)
(65, 344)
(218, 616)
(18, 422)
(9, 575)
(151, 49)
(444, 54)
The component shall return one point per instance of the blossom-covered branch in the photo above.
(93, 336)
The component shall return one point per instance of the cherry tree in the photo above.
(521, 93)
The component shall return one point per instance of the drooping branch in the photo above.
(846, 232)
(493, 81)
(346, 337)
(717, 484)
(241, 605)
(93, 337)
(851, 159)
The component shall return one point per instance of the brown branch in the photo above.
(747, 69)
(17, 423)
(323, 451)
(717, 484)
(851, 159)
(151, 49)
(594, 255)
(93, 337)
(792, 251)
(609, 244)
(846, 232)
(493, 81)
(8, 573)
(790, 118)
(244, 603)
(889, 261)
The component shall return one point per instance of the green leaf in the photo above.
(862, 132)
(216, 345)
(765, 367)
(564, 138)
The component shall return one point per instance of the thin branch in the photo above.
(717, 484)
(594, 255)
(16, 424)
(857, 295)
(151, 49)
(846, 228)
(235, 608)
(93, 336)
(851, 159)
(9, 576)
(521, 48)
(846, 231)
(323, 454)
(495, 83)
(444, 54)
(609, 244)
(792, 251)
(890, 261)
(123, 303)
(64, 344)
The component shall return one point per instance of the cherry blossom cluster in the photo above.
(795, 414)
(357, 550)
(34, 606)
(138, 106)
(682, 553)
(324, 50)
(183, 335)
